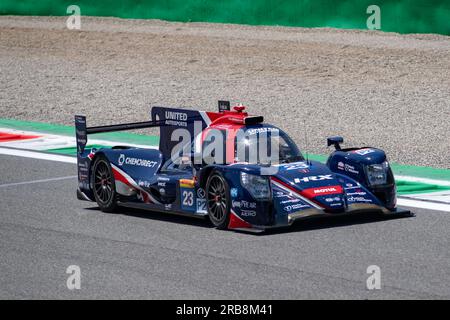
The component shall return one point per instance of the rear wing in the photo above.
(82, 131)
(166, 118)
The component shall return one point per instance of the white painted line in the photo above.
(35, 181)
(423, 180)
(423, 204)
(436, 197)
(37, 155)
(39, 143)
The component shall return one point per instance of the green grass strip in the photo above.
(407, 187)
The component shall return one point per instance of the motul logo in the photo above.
(324, 190)
(314, 178)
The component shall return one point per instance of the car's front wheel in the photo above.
(104, 185)
(218, 197)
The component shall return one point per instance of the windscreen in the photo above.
(265, 145)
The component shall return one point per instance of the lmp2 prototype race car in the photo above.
(231, 184)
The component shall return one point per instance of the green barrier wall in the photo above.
(404, 16)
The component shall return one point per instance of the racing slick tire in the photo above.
(218, 200)
(104, 186)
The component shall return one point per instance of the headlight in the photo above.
(258, 186)
(377, 174)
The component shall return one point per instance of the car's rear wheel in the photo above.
(218, 200)
(104, 185)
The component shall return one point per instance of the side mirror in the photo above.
(335, 140)
(186, 160)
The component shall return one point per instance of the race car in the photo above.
(235, 169)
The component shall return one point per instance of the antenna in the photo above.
(306, 142)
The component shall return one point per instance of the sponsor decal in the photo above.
(143, 183)
(82, 164)
(243, 204)
(358, 193)
(299, 165)
(172, 115)
(322, 191)
(358, 199)
(261, 130)
(290, 201)
(81, 132)
(346, 167)
(295, 207)
(163, 179)
(233, 192)
(201, 194)
(161, 184)
(279, 194)
(332, 199)
(81, 136)
(201, 205)
(325, 190)
(176, 118)
(248, 205)
(135, 161)
(363, 152)
(81, 140)
(336, 204)
(235, 204)
(121, 159)
(248, 213)
(168, 206)
(314, 178)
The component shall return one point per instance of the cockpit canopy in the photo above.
(260, 144)
(265, 144)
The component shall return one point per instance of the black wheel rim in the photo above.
(217, 199)
(103, 182)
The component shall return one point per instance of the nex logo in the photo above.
(314, 178)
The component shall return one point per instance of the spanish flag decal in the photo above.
(187, 183)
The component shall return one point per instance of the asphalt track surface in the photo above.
(44, 229)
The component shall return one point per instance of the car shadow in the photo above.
(308, 224)
(328, 222)
(162, 216)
